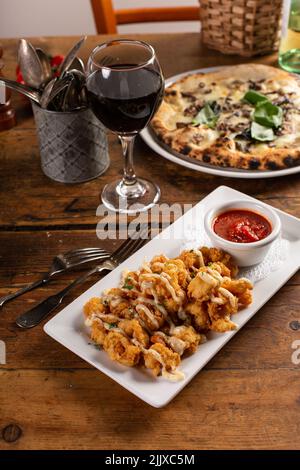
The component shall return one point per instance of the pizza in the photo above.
(245, 116)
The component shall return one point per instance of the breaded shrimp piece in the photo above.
(220, 317)
(200, 317)
(134, 329)
(222, 325)
(98, 332)
(156, 263)
(205, 281)
(150, 315)
(176, 269)
(223, 270)
(191, 338)
(166, 289)
(241, 288)
(191, 259)
(120, 349)
(118, 305)
(94, 305)
(157, 338)
(212, 255)
(162, 357)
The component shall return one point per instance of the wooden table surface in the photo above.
(248, 396)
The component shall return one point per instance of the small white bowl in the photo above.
(245, 254)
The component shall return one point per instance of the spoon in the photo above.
(67, 62)
(78, 64)
(30, 65)
(24, 89)
(47, 70)
(73, 96)
(45, 98)
(58, 87)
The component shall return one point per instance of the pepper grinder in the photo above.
(7, 114)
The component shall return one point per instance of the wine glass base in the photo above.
(132, 199)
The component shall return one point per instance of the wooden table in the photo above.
(248, 396)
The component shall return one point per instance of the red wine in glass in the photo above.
(125, 88)
(125, 105)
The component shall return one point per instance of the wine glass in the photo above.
(125, 87)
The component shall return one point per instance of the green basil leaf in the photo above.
(254, 97)
(267, 114)
(205, 116)
(262, 133)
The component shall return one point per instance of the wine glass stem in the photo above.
(129, 176)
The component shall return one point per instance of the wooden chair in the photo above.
(107, 19)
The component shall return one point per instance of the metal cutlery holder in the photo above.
(73, 145)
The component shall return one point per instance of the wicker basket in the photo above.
(244, 27)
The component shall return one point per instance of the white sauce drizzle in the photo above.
(149, 314)
(200, 258)
(232, 299)
(165, 279)
(207, 278)
(177, 344)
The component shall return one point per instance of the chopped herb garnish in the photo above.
(206, 116)
(267, 114)
(112, 325)
(193, 274)
(254, 97)
(262, 133)
(128, 286)
(209, 264)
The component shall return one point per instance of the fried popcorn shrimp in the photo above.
(221, 268)
(191, 259)
(94, 305)
(241, 288)
(203, 283)
(118, 305)
(98, 332)
(160, 358)
(161, 312)
(156, 264)
(212, 255)
(134, 329)
(157, 338)
(189, 335)
(220, 317)
(165, 289)
(150, 315)
(120, 349)
(200, 317)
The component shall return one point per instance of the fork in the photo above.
(34, 316)
(60, 264)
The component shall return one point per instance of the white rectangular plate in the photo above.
(68, 328)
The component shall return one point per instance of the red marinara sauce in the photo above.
(242, 226)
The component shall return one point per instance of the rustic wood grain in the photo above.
(83, 409)
(246, 397)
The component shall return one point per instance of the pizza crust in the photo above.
(215, 147)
